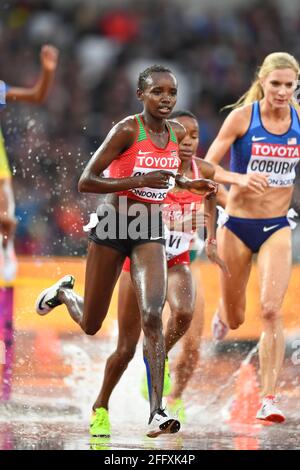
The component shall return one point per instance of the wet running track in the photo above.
(46, 399)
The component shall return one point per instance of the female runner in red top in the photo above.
(140, 155)
(181, 294)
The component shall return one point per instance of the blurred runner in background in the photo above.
(34, 95)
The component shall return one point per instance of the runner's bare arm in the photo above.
(39, 92)
(207, 170)
(222, 195)
(200, 186)
(211, 241)
(235, 126)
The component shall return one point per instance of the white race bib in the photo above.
(177, 243)
(276, 160)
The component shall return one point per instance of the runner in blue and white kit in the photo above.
(263, 132)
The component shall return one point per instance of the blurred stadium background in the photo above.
(213, 48)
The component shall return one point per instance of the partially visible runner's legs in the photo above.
(103, 267)
(274, 274)
(151, 295)
(238, 258)
(188, 358)
(181, 299)
(102, 271)
(129, 330)
(129, 323)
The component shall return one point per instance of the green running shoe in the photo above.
(167, 383)
(99, 443)
(177, 409)
(99, 423)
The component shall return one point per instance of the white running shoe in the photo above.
(269, 411)
(48, 299)
(162, 423)
(218, 327)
